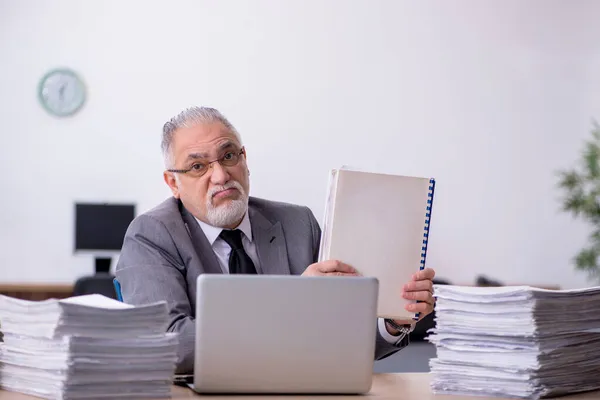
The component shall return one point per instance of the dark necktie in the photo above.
(239, 261)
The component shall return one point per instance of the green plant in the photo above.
(581, 186)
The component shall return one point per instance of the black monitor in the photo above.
(100, 229)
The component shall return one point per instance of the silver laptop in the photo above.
(285, 334)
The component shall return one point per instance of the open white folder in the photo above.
(379, 224)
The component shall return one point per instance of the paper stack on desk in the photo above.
(86, 347)
(515, 341)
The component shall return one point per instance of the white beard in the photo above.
(228, 213)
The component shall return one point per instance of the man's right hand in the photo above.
(330, 268)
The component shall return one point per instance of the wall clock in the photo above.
(61, 92)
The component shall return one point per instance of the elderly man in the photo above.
(209, 215)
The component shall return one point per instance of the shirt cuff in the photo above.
(388, 336)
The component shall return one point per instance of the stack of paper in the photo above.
(515, 341)
(86, 347)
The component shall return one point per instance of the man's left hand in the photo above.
(419, 288)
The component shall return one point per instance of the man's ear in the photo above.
(246, 159)
(171, 181)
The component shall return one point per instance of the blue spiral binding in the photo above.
(426, 231)
(427, 221)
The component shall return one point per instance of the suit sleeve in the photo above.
(149, 270)
(383, 346)
(316, 235)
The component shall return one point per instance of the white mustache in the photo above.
(229, 185)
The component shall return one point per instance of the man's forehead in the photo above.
(207, 135)
(203, 142)
(196, 154)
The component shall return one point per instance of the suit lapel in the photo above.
(270, 244)
(206, 254)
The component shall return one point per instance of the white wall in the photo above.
(489, 97)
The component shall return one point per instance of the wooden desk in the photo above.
(385, 386)
(36, 291)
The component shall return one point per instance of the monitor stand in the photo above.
(103, 265)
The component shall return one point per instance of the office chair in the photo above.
(100, 283)
(117, 287)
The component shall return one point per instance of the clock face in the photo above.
(61, 92)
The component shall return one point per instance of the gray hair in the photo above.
(187, 118)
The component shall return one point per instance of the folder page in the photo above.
(379, 224)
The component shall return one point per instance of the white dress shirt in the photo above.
(222, 250)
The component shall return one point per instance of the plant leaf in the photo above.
(574, 203)
(569, 180)
(587, 259)
(596, 130)
(591, 157)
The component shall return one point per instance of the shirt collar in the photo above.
(212, 232)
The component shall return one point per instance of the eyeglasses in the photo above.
(229, 159)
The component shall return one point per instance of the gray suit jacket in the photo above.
(165, 250)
